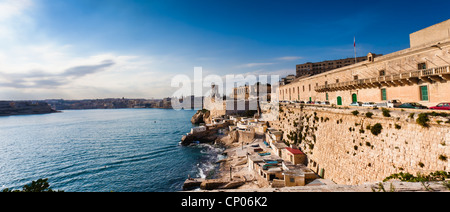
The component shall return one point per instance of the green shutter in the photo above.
(424, 93)
(327, 96)
(383, 94)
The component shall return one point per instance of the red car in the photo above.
(441, 106)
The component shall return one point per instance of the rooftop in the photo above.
(294, 151)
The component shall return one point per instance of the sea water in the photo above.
(122, 150)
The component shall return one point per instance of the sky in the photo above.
(88, 49)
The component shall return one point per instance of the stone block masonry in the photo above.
(342, 146)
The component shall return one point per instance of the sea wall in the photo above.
(340, 145)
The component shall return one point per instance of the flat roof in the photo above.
(280, 145)
(294, 151)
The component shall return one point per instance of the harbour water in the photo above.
(123, 150)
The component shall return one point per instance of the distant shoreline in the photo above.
(13, 108)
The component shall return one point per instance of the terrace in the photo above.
(437, 74)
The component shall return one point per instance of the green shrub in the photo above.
(386, 112)
(355, 112)
(423, 120)
(421, 164)
(369, 115)
(376, 129)
(398, 127)
(407, 177)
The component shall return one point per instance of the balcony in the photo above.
(437, 74)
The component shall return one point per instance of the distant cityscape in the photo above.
(109, 103)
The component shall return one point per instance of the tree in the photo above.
(40, 185)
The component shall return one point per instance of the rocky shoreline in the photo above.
(232, 172)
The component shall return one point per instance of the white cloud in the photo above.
(290, 58)
(251, 65)
(37, 67)
(12, 8)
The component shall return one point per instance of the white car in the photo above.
(369, 104)
(356, 104)
(394, 103)
(390, 104)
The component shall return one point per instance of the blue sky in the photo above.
(76, 49)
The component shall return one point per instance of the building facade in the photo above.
(420, 74)
(310, 69)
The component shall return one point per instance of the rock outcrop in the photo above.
(207, 136)
(202, 116)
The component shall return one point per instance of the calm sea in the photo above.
(124, 150)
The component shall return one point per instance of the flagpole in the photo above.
(354, 47)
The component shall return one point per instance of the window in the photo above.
(292, 180)
(309, 87)
(424, 93)
(382, 73)
(383, 94)
(422, 66)
(326, 95)
(303, 88)
(337, 80)
(355, 77)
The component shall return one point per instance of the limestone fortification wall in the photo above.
(341, 143)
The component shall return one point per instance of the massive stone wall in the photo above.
(340, 144)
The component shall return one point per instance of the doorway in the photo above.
(354, 98)
(339, 100)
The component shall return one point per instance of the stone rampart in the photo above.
(343, 147)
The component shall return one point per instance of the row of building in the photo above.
(419, 74)
(270, 159)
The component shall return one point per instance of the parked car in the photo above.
(441, 106)
(310, 102)
(302, 102)
(326, 103)
(369, 104)
(390, 104)
(413, 105)
(317, 102)
(393, 103)
(356, 104)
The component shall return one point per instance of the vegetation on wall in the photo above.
(423, 120)
(407, 177)
(376, 129)
(386, 112)
(369, 115)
